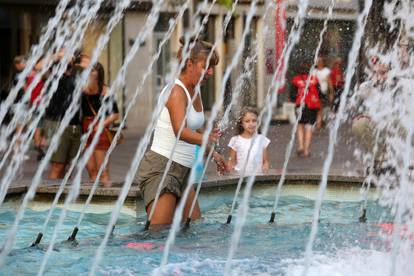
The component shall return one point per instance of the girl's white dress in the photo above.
(241, 146)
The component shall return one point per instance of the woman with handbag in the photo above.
(92, 100)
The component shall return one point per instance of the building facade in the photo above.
(22, 21)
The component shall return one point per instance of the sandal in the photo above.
(300, 153)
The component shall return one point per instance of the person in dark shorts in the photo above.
(70, 140)
(171, 118)
(311, 105)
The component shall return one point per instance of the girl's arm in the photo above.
(265, 161)
(232, 160)
(177, 107)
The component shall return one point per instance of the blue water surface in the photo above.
(264, 249)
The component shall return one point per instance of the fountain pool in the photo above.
(343, 246)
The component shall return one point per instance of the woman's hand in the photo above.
(220, 162)
(215, 135)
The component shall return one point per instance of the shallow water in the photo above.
(343, 245)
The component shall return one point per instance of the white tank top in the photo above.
(164, 137)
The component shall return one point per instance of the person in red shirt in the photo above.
(35, 98)
(311, 105)
(337, 79)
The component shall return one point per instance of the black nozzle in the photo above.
(229, 219)
(147, 225)
(38, 239)
(363, 217)
(187, 223)
(272, 217)
(74, 233)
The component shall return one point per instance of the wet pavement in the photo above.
(344, 162)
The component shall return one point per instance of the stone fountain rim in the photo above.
(49, 188)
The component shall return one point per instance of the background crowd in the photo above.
(89, 104)
(316, 96)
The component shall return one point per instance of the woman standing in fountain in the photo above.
(92, 101)
(166, 130)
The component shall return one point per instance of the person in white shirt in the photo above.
(258, 159)
(326, 95)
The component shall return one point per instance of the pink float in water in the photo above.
(141, 245)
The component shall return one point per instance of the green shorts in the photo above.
(150, 173)
(68, 145)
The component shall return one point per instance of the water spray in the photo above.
(300, 113)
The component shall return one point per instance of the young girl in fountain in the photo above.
(258, 160)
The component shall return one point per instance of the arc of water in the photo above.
(138, 157)
(26, 138)
(119, 9)
(277, 82)
(134, 166)
(168, 165)
(404, 188)
(36, 52)
(302, 104)
(32, 189)
(74, 191)
(352, 61)
(226, 22)
(224, 124)
(131, 103)
(240, 181)
(216, 107)
(193, 203)
(225, 120)
(49, 60)
(368, 182)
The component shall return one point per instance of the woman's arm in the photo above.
(265, 161)
(110, 119)
(177, 107)
(232, 160)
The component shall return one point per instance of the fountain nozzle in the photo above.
(147, 225)
(363, 217)
(38, 239)
(187, 223)
(74, 233)
(272, 217)
(229, 219)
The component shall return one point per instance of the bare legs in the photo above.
(165, 208)
(94, 164)
(304, 137)
(56, 170)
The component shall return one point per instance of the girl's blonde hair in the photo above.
(243, 112)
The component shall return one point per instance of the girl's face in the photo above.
(249, 123)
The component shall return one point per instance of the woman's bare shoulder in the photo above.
(177, 93)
